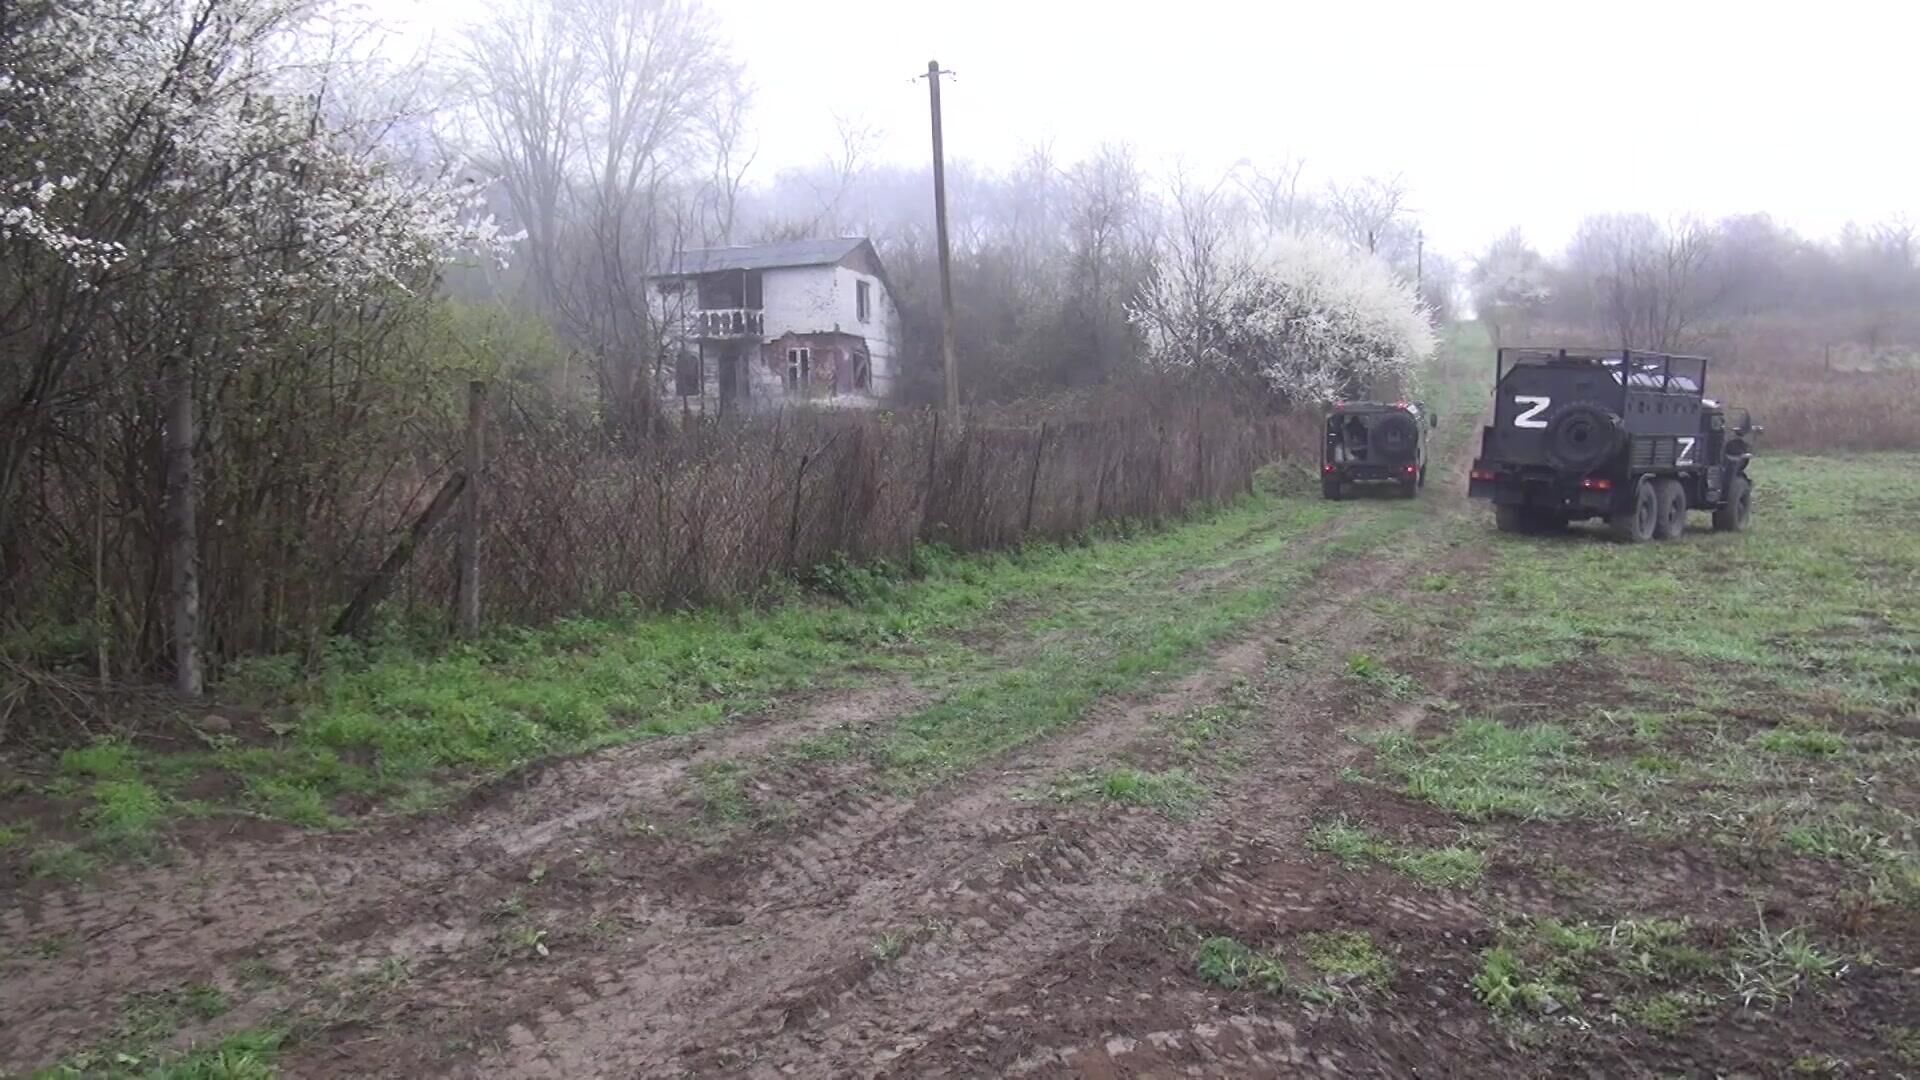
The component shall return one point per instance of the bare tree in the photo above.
(1367, 214)
(530, 83)
(1275, 195)
(1110, 243)
(609, 120)
(1642, 278)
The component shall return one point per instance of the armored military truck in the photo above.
(1629, 437)
(1375, 442)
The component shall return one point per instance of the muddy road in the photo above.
(591, 917)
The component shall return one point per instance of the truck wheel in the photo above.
(1673, 509)
(1423, 476)
(1410, 488)
(1636, 524)
(1510, 519)
(1732, 515)
(1330, 488)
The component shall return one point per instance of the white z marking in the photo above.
(1526, 419)
(1686, 452)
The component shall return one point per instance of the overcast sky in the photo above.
(1495, 114)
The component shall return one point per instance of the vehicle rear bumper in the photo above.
(1371, 474)
(1542, 491)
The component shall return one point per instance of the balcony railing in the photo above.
(721, 323)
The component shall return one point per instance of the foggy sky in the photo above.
(1496, 114)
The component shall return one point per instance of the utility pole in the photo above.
(1419, 262)
(946, 252)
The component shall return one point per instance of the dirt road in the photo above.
(582, 921)
(775, 897)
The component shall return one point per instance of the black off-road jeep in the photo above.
(1627, 436)
(1374, 442)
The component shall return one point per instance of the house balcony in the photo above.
(727, 324)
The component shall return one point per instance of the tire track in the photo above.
(329, 904)
(756, 992)
(1017, 918)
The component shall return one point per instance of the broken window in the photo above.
(863, 300)
(799, 367)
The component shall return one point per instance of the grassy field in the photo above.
(1288, 781)
(404, 728)
(1682, 781)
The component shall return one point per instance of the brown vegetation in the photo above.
(1818, 338)
(580, 520)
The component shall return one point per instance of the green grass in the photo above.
(1347, 958)
(1655, 969)
(1768, 968)
(1173, 792)
(148, 1021)
(1903, 1044)
(397, 724)
(61, 861)
(1505, 985)
(1482, 769)
(1668, 1012)
(721, 797)
(887, 947)
(154, 1016)
(1232, 965)
(1445, 867)
(1325, 967)
(126, 814)
(1809, 599)
(1370, 671)
(1801, 741)
(246, 1055)
(1111, 650)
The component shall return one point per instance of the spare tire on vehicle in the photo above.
(1582, 437)
(1395, 438)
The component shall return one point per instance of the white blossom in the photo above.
(1305, 315)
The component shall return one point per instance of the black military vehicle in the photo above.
(1375, 442)
(1630, 437)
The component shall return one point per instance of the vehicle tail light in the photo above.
(1409, 470)
(1596, 483)
(1400, 405)
(1326, 468)
(1485, 474)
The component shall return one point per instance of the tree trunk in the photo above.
(182, 537)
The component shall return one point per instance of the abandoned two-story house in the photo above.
(807, 321)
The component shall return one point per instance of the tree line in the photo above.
(248, 268)
(1744, 288)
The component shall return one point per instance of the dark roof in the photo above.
(762, 256)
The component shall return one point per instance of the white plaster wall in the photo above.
(817, 299)
(799, 299)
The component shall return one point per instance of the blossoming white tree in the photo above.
(183, 191)
(1300, 315)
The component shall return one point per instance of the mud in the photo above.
(585, 919)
